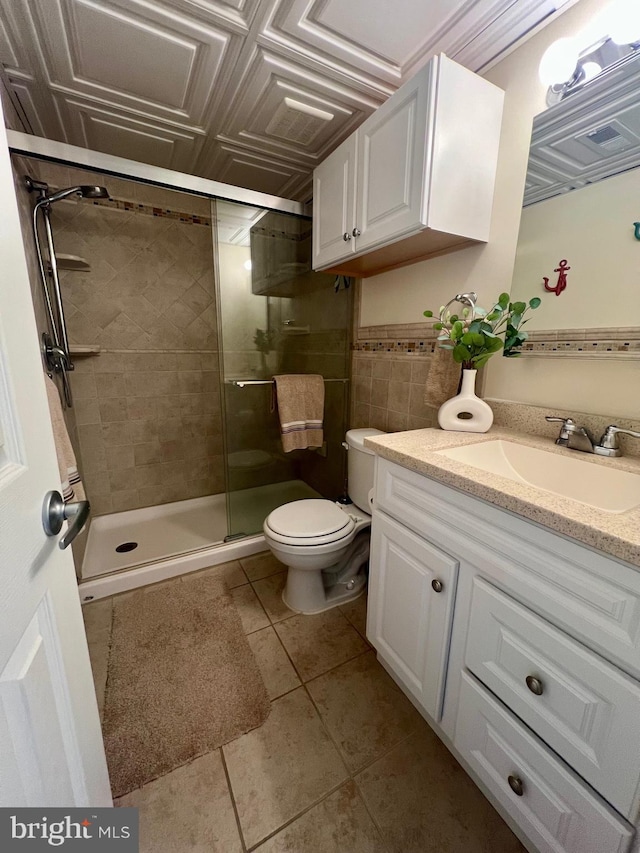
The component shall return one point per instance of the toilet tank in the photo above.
(360, 467)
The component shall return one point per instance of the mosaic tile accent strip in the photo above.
(396, 347)
(147, 209)
(605, 342)
(399, 339)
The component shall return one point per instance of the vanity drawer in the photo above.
(585, 708)
(554, 808)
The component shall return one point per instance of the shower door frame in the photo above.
(119, 167)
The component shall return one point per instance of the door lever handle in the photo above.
(55, 511)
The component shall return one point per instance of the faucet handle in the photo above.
(568, 426)
(608, 444)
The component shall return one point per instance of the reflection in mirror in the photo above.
(581, 206)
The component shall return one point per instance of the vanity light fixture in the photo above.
(613, 37)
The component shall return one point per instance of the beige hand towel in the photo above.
(443, 378)
(300, 399)
(71, 484)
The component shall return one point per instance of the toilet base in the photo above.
(310, 592)
(333, 598)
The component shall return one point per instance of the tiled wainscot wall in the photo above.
(390, 366)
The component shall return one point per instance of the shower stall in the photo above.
(176, 311)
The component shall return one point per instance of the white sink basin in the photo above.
(597, 486)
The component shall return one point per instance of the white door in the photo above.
(334, 205)
(410, 608)
(394, 147)
(51, 751)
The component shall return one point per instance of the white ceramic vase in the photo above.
(466, 412)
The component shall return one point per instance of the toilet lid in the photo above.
(310, 520)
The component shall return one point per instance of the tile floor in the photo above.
(343, 764)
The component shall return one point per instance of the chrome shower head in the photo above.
(84, 191)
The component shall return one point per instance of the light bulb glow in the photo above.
(247, 265)
(558, 62)
(591, 70)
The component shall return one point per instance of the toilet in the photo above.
(325, 545)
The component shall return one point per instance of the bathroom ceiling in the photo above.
(250, 92)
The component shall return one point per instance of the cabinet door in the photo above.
(394, 151)
(334, 205)
(409, 620)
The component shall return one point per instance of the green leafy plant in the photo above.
(476, 334)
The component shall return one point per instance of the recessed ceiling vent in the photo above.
(297, 122)
(608, 140)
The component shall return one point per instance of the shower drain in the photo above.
(126, 546)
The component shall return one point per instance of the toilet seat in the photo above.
(309, 522)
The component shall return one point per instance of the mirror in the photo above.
(581, 206)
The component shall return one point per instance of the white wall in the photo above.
(401, 296)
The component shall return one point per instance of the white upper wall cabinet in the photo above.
(416, 179)
(334, 196)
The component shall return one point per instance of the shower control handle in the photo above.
(55, 511)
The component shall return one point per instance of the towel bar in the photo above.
(240, 383)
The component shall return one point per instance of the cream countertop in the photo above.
(617, 534)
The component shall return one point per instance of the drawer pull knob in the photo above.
(516, 785)
(346, 236)
(535, 685)
(437, 585)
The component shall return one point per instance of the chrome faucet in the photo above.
(608, 444)
(577, 437)
(573, 436)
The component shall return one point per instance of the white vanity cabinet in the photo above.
(416, 179)
(410, 609)
(534, 675)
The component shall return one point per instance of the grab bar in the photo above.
(240, 383)
(55, 346)
(57, 290)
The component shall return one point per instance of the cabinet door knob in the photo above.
(356, 232)
(346, 236)
(535, 685)
(516, 785)
(437, 585)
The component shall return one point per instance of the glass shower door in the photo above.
(276, 316)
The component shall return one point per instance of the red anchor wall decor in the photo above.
(562, 269)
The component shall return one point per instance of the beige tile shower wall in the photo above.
(149, 426)
(148, 406)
